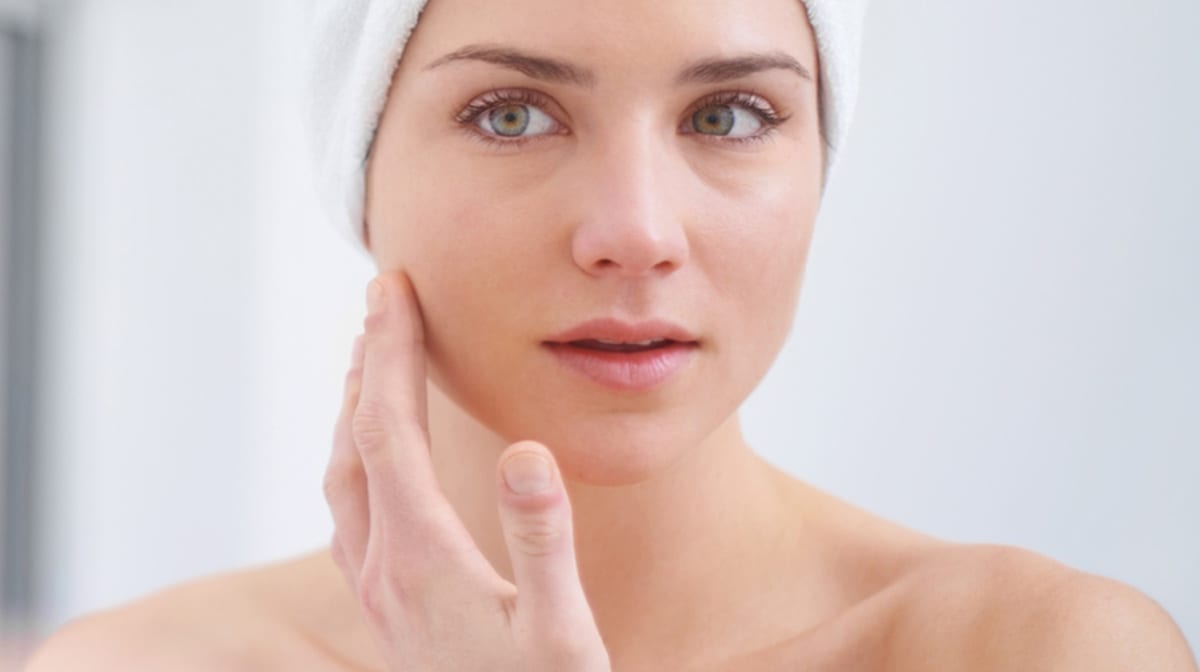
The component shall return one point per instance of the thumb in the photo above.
(536, 516)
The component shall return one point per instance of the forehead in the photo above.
(616, 39)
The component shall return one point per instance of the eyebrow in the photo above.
(704, 71)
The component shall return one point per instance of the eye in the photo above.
(510, 113)
(722, 120)
(511, 120)
(507, 114)
(717, 116)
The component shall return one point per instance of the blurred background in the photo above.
(996, 342)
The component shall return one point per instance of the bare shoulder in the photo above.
(219, 622)
(986, 607)
(171, 629)
(911, 602)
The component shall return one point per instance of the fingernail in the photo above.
(357, 352)
(527, 474)
(374, 296)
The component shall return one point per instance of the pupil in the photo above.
(718, 118)
(508, 120)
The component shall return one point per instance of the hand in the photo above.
(430, 597)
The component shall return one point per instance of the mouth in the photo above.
(623, 356)
(613, 335)
(603, 345)
(625, 367)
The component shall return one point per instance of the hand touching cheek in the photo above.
(431, 599)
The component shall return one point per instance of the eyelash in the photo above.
(745, 98)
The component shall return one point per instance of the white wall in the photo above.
(150, 197)
(995, 340)
(197, 307)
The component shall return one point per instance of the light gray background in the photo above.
(996, 340)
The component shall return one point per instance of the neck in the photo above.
(660, 560)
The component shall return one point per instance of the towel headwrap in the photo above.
(356, 45)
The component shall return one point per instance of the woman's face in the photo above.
(630, 192)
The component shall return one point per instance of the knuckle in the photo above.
(388, 597)
(370, 602)
(561, 645)
(370, 591)
(375, 428)
(569, 652)
(339, 480)
(337, 552)
(558, 640)
(352, 381)
(371, 424)
(372, 324)
(537, 537)
(346, 563)
(331, 487)
(372, 409)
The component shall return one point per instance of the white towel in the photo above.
(355, 46)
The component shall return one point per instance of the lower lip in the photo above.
(626, 371)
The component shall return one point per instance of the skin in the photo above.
(665, 541)
(621, 215)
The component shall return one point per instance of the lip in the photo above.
(626, 371)
(611, 329)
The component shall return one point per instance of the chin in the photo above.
(599, 451)
(599, 446)
(605, 448)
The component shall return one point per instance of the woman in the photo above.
(589, 269)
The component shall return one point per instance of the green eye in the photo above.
(721, 120)
(517, 120)
(510, 120)
(517, 116)
(715, 117)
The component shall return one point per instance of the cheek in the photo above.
(475, 267)
(781, 259)
(764, 271)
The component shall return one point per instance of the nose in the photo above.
(626, 224)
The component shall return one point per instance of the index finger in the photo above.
(407, 507)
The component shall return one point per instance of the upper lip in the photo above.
(611, 329)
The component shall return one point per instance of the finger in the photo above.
(536, 516)
(338, 554)
(410, 517)
(345, 479)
